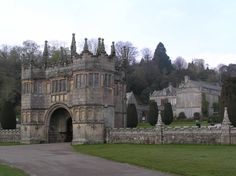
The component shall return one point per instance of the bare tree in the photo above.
(30, 50)
(131, 51)
(180, 63)
(146, 54)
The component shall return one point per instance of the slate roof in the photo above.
(169, 91)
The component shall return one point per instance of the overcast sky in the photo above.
(192, 29)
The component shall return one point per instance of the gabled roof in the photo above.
(202, 84)
(168, 91)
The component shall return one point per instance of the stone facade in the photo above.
(74, 99)
(188, 96)
(163, 96)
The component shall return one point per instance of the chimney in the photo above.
(186, 79)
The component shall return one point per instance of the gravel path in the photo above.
(61, 160)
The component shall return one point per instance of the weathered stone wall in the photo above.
(167, 135)
(132, 135)
(10, 135)
(192, 135)
(233, 135)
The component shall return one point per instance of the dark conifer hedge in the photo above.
(132, 116)
(167, 114)
(153, 113)
(8, 116)
(228, 98)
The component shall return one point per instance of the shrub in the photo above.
(8, 116)
(153, 113)
(181, 116)
(167, 114)
(196, 116)
(214, 119)
(132, 116)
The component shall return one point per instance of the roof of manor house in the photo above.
(168, 91)
(191, 83)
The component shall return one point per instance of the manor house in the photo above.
(74, 99)
(188, 97)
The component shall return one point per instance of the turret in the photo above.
(73, 46)
(103, 47)
(99, 48)
(45, 54)
(113, 50)
(85, 45)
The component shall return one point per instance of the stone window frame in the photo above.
(80, 80)
(94, 79)
(107, 80)
(58, 85)
(27, 87)
(38, 87)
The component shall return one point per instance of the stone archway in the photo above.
(60, 126)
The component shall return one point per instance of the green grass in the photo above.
(186, 123)
(144, 125)
(187, 160)
(9, 143)
(173, 124)
(10, 171)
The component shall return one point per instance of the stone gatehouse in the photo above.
(74, 99)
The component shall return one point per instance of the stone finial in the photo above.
(62, 56)
(226, 120)
(113, 50)
(85, 44)
(159, 119)
(103, 47)
(45, 53)
(124, 55)
(73, 46)
(99, 47)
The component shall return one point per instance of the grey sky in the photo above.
(192, 29)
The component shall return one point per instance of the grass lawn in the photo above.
(188, 160)
(9, 143)
(10, 171)
(187, 123)
(144, 125)
(173, 124)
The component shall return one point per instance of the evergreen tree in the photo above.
(205, 106)
(162, 59)
(8, 116)
(153, 113)
(132, 116)
(167, 114)
(228, 98)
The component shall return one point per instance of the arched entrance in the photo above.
(60, 126)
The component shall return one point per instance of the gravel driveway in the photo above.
(60, 159)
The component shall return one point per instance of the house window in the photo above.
(96, 80)
(59, 85)
(38, 87)
(107, 80)
(93, 80)
(81, 80)
(26, 88)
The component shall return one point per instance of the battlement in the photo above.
(44, 68)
